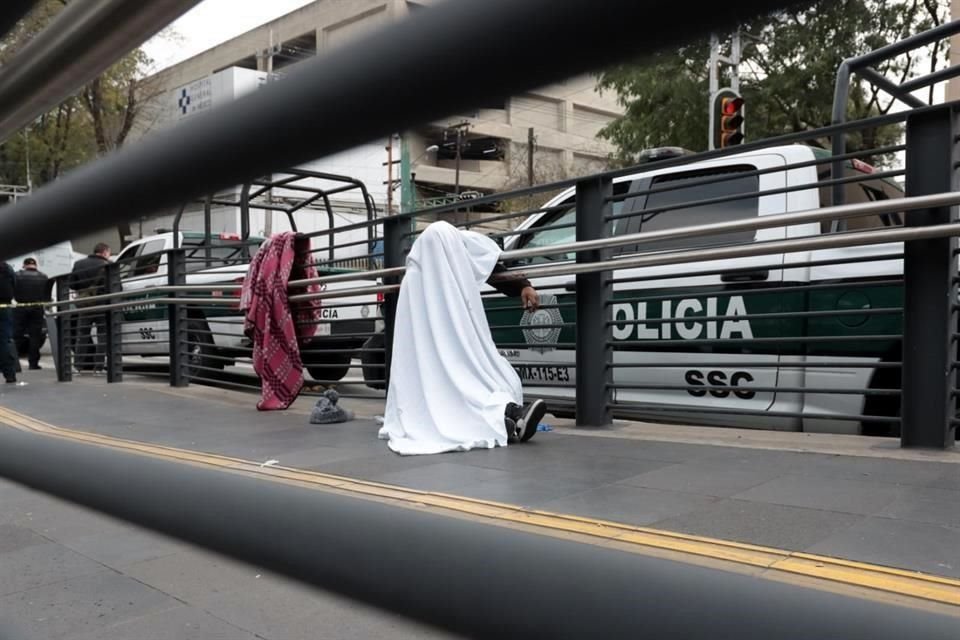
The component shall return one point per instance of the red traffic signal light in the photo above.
(731, 120)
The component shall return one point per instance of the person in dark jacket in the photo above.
(89, 278)
(31, 290)
(8, 362)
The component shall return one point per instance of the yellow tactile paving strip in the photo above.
(637, 539)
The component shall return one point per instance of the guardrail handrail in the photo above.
(761, 222)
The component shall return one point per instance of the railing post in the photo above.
(113, 320)
(396, 239)
(930, 291)
(64, 334)
(177, 316)
(593, 330)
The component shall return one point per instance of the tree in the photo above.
(93, 123)
(787, 76)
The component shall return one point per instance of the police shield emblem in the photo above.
(541, 330)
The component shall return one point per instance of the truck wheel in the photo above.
(374, 372)
(884, 406)
(201, 346)
(333, 368)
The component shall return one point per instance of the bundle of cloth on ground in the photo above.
(274, 325)
(449, 386)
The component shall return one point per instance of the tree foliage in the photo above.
(94, 122)
(787, 76)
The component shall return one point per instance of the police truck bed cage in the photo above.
(290, 191)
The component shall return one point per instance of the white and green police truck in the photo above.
(753, 360)
(215, 333)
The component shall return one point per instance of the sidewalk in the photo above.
(860, 499)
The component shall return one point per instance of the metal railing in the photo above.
(600, 328)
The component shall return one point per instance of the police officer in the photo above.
(32, 289)
(88, 278)
(8, 361)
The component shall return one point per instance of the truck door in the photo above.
(543, 352)
(687, 340)
(143, 266)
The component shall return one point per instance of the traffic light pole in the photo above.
(714, 73)
(714, 87)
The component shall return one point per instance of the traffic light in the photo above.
(729, 119)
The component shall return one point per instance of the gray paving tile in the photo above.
(884, 470)
(280, 609)
(117, 549)
(704, 477)
(628, 448)
(82, 605)
(597, 470)
(630, 505)
(524, 489)
(371, 466)
(193, 575)
(179, 623)
(916, 546)
(14, 537)
(62, 521)
(305, 458)
(827, 493)
(771, 525)
(948, 479)
(42, 564)
(925, 504)
(447, 477)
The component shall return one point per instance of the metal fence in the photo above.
(716, 289)
(768, 292)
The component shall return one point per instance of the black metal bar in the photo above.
(790, 138)
(304, 123)
(395, 247)
(177, 320)
(800, 364)
(750, 195)
(336, 542)
(903, 46)
(80, 43)
(778, 265)
(593, 290)
(874, 77)
(648, 410)
(929, 291)
(113, 319)
(931, 78)
(65, 336)
(729, 176)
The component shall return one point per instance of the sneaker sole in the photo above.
(531, 419)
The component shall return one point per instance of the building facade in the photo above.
(493, 140)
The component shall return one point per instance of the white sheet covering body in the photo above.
(449, 385)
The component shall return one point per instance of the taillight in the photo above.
(380, 297)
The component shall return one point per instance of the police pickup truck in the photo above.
(215, 333)
(716, 345)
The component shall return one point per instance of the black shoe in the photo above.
(35, 367)
(11, 380)
(532, 415)
(513, 435)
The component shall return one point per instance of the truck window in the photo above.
(860, 192)
(546, 233)
(148, 259)
(221, 254)
(685, 193)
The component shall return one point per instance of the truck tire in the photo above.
(332, 368)
(373, 362)
(884, 406)
(200, 349)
